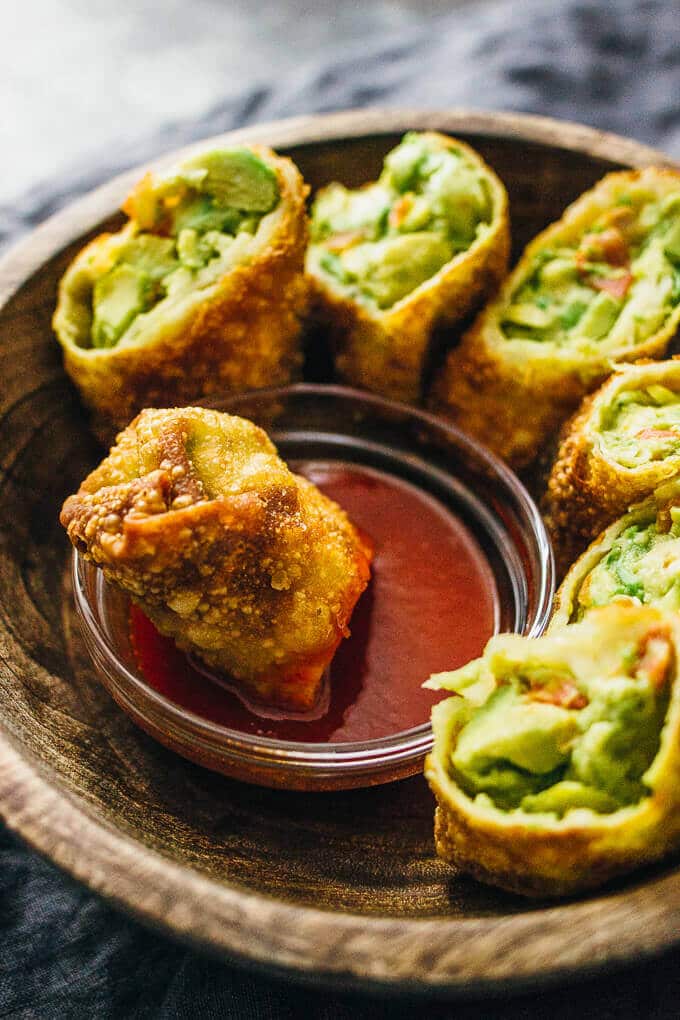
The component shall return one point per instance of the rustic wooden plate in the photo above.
(342, 886)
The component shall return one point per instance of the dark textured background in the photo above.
(615, 65)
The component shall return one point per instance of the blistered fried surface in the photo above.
(242, 562)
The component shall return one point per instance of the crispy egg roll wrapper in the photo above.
(244, 564)
(589, 486)
(241, 332)
(388, 351)
(651, 530)
(514, 394)
(543, 854)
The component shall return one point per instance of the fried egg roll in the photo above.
(413, 252)
(622, 444)
(557, 764)
(635, 560)
(243, 563)
(202, 291)
(602, 285)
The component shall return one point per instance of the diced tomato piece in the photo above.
(655, 658)
(400, 211)
(657, 434)
(617, 286)
(345, 240)
(607, 246)
(614, 247)
(565, 694)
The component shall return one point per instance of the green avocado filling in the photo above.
(641, 426)
(643, 563)
(613, 289)
(186, 225)
(380, 242)
(551, 739)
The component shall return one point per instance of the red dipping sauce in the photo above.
(431, 605)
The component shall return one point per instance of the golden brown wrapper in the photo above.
(514, 397)
(388, 351)
(546, 857)
(240, 561)
(241, 333)
(642, 514)
(587, 488)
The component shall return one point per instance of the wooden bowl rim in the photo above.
(459, 956)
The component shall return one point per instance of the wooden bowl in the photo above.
(343, 886)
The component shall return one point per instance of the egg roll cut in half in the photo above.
(413, 252)
(557, 766)
(243, 563)
(636, 560)
(201, 291)
(621, 444)
(602, 285)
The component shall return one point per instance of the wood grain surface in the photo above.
(342, 886)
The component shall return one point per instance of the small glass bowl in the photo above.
(321, 422)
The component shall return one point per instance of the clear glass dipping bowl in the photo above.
(321, 422)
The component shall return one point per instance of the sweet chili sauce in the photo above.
(431, 605)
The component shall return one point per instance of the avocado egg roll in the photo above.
(602, 285)
(635, 560)
(414, 251)
(202, 290)
(557, 764)
(243, 563)
(621, 444)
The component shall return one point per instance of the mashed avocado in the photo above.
(641, 425)
(380, 242)
(571, 720)
(612, 288)
(182, 232)
(643, 563)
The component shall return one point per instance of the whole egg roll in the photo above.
(621, 444)
(202, 290)
(602, 285)
(243, 563)
(557, 764)
(407, 255)
(635, 560)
